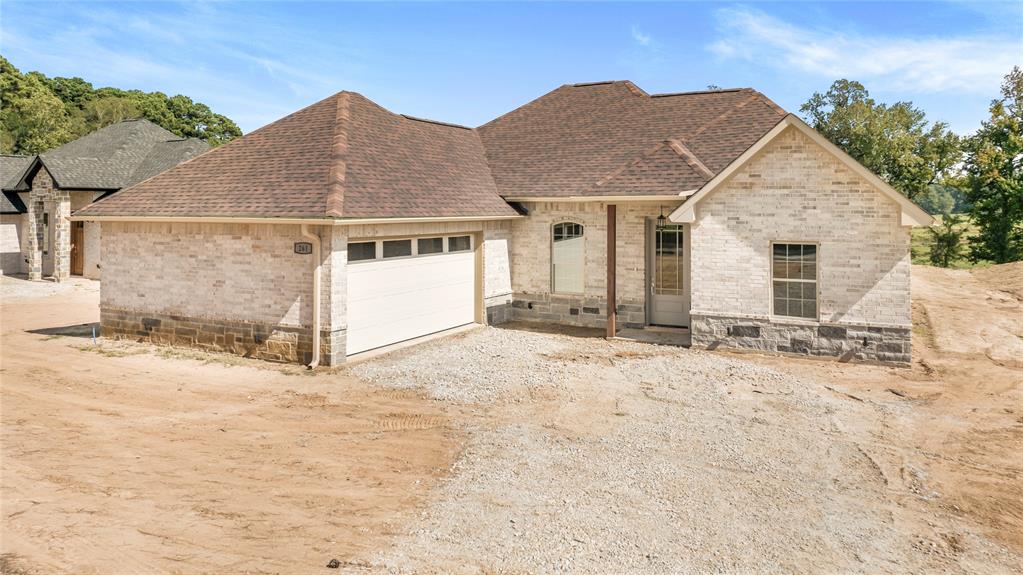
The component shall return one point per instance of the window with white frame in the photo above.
(567, 258)
(794, 280)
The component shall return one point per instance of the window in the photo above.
(360, 251)
(794, 273)
(430, 246)
(567, 258)
(397, 248)
(459, 244)
(46, 233)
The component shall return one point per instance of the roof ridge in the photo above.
(338, 151)
(690, 157)
(438, 122)
(694, 92)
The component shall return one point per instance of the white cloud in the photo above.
(925, 65)
(640, 37)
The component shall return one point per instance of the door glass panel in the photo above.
(668, 268)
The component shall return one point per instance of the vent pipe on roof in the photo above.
(315, 240)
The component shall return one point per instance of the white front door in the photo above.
(669, 292)
(412, 294)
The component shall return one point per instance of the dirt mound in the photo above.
(1003, 277)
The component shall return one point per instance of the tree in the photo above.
(39, 113)
(32, 119)
(994, 173)
(894, 141)
(938, 199)
(947, 240)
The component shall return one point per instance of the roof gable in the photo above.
(911, 213)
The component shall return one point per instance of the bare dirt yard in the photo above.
(515, 451)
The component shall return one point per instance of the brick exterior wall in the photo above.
(242, 289)
(235, 287)
(795, 191)
(531, 263)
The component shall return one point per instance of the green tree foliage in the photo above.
(894, 141)
(938, 199)
(947, 240)
(994, 175)
(38, 113)
(31, 116)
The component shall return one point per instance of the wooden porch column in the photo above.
(612, 301)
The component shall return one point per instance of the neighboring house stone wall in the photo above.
(794, 191)
(234, 287)
(45, 198)
(12, 243)
(531, 262)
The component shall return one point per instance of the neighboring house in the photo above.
(41, 192)
(353, 227)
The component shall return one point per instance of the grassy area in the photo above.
(920, 247)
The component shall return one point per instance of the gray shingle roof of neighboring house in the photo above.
(11, 170)
(118, 155)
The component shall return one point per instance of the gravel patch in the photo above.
(663, 460)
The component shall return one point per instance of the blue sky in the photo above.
(468, 63)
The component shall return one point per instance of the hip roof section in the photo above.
(347, 157)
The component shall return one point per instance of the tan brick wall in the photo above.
(795, 191)
(531, 246)
(225, 271)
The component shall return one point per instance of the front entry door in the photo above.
(77, 248)
(669, 292)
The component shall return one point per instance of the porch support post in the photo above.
(612, 300)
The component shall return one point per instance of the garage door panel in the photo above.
(395, 300)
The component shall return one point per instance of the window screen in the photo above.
(430, 246)
(360, 251)
(794, 272)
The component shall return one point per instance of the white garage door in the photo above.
(400, 289)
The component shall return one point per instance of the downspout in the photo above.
(315, 240)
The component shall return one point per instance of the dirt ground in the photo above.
(118, 460)
(588, 456)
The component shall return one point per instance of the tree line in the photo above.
(973, 182)
(39, 113)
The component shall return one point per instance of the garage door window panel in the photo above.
(362, 251)
(397, 248)
(459, 243)
(427, 246)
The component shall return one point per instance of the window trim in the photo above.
(378, 242)
(550, 255)
(771, 279)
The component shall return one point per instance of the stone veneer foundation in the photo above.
(890, 345)
(585, 311)
(274, 343)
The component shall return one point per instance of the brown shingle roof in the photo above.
(574, 140)
(344, 156)
(347, 157)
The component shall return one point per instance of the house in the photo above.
(40, 192)
(345, 227)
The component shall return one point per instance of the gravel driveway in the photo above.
(590, 456)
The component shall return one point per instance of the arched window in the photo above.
(567, 258)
